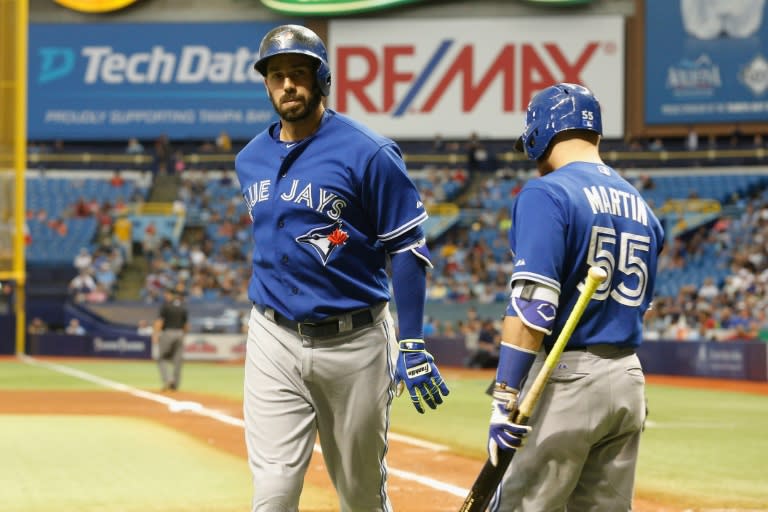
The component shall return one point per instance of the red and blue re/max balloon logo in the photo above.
(372, 77)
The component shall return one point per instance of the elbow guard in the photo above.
(535, 304)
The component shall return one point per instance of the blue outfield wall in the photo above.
(740, 360)
(7, 334)
(731, 360)
(54, 344)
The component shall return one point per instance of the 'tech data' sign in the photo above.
(415, 78)
(115, 81)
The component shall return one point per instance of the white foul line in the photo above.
(231, 420)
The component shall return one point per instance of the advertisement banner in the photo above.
(214, 347)
(120, 80)
(731, 360)
(705, 62)
(415, 78)
(55, 344)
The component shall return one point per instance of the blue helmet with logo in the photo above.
(296, 39)
(556, 109)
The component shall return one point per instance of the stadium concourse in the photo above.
(713, 273)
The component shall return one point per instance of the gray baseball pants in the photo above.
(339, 388)
(582, 452)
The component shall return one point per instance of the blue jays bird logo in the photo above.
(325, 240)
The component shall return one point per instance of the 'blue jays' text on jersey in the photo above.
(325, 212)
(582, 215)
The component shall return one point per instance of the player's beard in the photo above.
(300, 111)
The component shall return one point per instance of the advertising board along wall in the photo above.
(413, 78)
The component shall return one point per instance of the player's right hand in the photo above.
(503, 433)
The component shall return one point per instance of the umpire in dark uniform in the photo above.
(169, 329)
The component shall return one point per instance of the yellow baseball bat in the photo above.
(490, 476)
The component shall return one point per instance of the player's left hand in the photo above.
(503, 433)
(416, 370)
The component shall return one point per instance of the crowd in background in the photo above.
(473, 262)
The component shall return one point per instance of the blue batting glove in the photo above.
(503, 433)
(416, 370)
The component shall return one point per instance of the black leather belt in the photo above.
(601, 349)
(322, 328)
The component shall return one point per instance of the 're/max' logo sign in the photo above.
(375, 79)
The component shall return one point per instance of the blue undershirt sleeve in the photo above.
(409, 280)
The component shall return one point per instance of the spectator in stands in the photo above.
(58, 226)
(656, 144)
(449, 330)
(134, 147)
(487, 353)
(197, 256)
(430, 327)
(6, 298)
(735, 139)
(98, 295)
(438, 144)
(122, 229)
(151, 242)
(37, 326)
(81, 208)
(709, 289)
(83, 260)
(653, 324)
(117, 179)
(477, 154)
(692, 139)
(105, 276)
(179, 163)
(634, 145)
(120, 207)
(74, 327)
(162, 154)
(81, 285)
(224, 142)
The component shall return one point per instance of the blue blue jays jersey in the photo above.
(581, 215)
(326, 211)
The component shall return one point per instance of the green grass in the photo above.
(706, 447)
(117, 467)
(223, 380)
(17, 376)
(701, 447)
(459, 422)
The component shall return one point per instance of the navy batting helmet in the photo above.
(296, 39)
(556, 109)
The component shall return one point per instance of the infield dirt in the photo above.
(407, 496)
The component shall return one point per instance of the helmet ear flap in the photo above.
(532, 139)
(323, 77)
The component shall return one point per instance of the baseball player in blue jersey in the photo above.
(581, 443)
(331, 204)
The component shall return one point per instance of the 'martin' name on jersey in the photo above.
(616, 202)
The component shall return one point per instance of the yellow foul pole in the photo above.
(20, 168)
